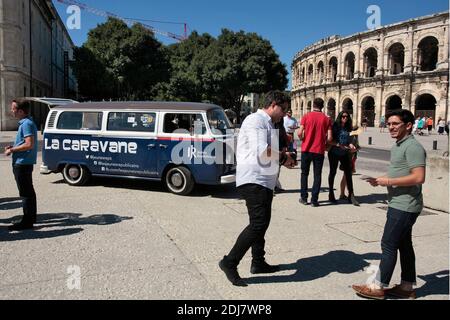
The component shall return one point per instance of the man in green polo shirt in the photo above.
(404, 181)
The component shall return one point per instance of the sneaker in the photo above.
(263, 267)
(315, 204)
(232, 274)
(342, 197)
(366, 292)
(20, 226)
(398, 292)
(303, 201)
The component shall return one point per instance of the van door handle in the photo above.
(150, 146)
(163, 146)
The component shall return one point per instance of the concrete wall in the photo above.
(435, 189)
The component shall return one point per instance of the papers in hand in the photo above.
(367, 178)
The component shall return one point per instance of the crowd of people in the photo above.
(256, 182)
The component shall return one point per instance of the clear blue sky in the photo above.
(289, 25)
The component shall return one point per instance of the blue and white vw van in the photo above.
(178, 143)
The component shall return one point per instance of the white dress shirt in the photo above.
(257, 133)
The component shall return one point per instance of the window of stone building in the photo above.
(426, 106)
(320, 70)
(308, 107)
(428, 53)
(349, 66)
(303, 74)
(333, 69)
(310, 73)
(393, 103)
(397, 58)
(24, 60)
(347, 106)
(331, 109)
(368, 110)
(23, 13)
(370, 62)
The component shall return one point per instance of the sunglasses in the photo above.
(344, 117)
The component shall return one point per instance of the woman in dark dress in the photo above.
(340, 152)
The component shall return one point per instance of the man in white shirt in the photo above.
(258, 160)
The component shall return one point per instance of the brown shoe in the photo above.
(366, 292)
(398, 292)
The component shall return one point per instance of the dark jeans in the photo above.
(317, 160)
(24, 181)
(259, 204)
(346, 163)
(398, 236)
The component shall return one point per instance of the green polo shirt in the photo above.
(406, 155)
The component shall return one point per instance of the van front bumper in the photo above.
(228, 179)
(44, 169)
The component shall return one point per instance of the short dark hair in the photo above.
(318, 103)
(22, 105)
(279, 97)
(404, 115)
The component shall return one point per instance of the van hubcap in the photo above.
(74, 172)
(176, 180)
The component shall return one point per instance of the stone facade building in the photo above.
(403, 65)
(35, 50)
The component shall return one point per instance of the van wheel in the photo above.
(179, 180)
(75, 175)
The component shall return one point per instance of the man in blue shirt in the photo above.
(24, 154)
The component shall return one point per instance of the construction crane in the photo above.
(107, 14)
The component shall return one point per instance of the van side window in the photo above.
(77, 120)
(131, 121)
(187, 123)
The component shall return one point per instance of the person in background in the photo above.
(382, 124)
(430, 123)
(24, 155)
(315, 132)
(441, 126)
(340, 152)
(353, 155)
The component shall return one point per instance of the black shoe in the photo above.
(303, 201)
(20, 226)
(263, 267)
(232, 274)
(315, 204)
(331, 198)
(353, 200)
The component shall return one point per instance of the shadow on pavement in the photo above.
(435, 284)
(312, 268)
(50, 220)
(10, 203)
(226, 191)
(373, 198)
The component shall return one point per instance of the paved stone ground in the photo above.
(134, 240)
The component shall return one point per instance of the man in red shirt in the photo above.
(315, 131)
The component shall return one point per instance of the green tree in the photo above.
(186, 70)
(133, 61)
(239, 63)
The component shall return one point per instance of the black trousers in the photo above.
(346, 163)
(24, 181)
(258, 200)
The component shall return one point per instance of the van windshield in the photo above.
(218, 121)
